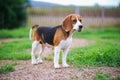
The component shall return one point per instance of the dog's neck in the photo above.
(64, 32)
(67, 34)
(71, 33)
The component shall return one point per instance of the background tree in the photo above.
(12, 13)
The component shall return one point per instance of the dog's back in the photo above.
(46, 33)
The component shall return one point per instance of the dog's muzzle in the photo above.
(80, 28)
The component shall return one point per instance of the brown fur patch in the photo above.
(67, 23)
(36, 36)
(59, 35)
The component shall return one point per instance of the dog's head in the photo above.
(72, 22)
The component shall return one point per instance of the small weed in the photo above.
(6, 68)
(50, 57)
(117, 77)
(74, 77)
(102, 76)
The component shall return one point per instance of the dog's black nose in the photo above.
(80, 26)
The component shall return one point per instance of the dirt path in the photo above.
(10, 39)
(45, 71)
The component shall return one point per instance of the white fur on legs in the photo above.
(56, 57)
(64, 56)
(34, 46)
(39, 59)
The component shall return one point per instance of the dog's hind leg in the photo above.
(39, 59)
(34, 46)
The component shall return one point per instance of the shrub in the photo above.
(12, 13)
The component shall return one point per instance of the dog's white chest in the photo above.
(65, 43)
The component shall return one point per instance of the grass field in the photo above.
(15, 50)
(22, 32)
(101, 53)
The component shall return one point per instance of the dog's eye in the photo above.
(80, 20)
(74, 20)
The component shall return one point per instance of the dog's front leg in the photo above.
(34, 46)
(56, 57)
(64, 56)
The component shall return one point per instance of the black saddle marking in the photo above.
(47, 33)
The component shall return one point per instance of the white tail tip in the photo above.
(30, 33)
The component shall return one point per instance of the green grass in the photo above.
(15, 50)
(99, 33)
(22, 32)
(101, 53)
(105, 76)
(6, 68)
(102, 76)
(117, 77)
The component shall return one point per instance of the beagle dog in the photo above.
(59, 38)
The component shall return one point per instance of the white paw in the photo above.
(56, 66)
(39, 60)
(65, 65)
(34, 62)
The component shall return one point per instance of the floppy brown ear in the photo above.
(67, 23)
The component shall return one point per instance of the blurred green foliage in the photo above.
(12, 13)
(22, 32)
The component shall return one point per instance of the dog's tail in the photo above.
(30, 33)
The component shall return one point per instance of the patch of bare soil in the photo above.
(45, 71)
(10, 39)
